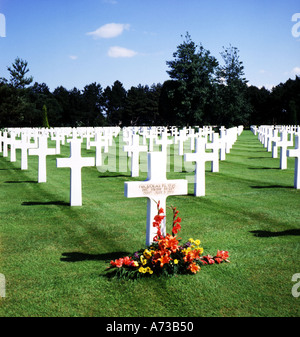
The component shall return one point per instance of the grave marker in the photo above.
(42, 151)
(199, 157)
(215, 146)
(156, 188)
(283, 144)
(24, 144)
(135, 148)
(296, 153)
(99, 142)
(164, 141)
(75, 162)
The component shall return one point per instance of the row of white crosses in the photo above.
(268, 136)
(40, 148)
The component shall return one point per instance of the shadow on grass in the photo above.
(10, 169)
(268, 234)
(258, 158)
(21, 182)
(77, 257)
(271, 186)
(263, 168)
(36, 203)
(114, 176)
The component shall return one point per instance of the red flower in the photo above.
(222, 254)
(176, 228)
(208, 259)
(127, 261)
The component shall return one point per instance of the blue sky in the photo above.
(74, 42)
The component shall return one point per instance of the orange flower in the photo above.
(191, 255)
(164, 260)
(193, 267)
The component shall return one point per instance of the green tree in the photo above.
(234, 106)
(136, 106)
(18, 72)
(114, 103)
(45, 117)
(193, 68)
(92, 100)
(259, 99)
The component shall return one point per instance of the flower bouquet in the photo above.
(166, 256)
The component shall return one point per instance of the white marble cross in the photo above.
(275, 140)
(12, 141)
(58, 137)
(283, 144)
(1, 141)
(135, 148)
(24, 144)
(75, 162)
(156, 188)
(296, 153)
(164, 142)
(181, 139)
(199, 157)
(152, 135)
(42, 151)
(215, 146)
(5, 141)
(99, 142)
(192, 136)
(223, 140)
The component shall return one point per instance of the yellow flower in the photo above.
(143, 260)
(200, 250)
(147, 254)
(197, 242)
(135, 263)
(141, 269)
(175, 261)
(149, 270)
(191, 240)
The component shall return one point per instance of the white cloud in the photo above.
(109, 30)
(120, 52)
(73, 57)
(111, 2)
(296, 71)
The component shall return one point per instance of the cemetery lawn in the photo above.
(54, 256)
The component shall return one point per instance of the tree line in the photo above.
(200, 91)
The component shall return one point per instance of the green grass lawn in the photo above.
(54, 256)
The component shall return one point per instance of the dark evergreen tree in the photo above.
(194, 69)
(114, 103)
(234, 108)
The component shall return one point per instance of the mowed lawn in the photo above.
(54, 256)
